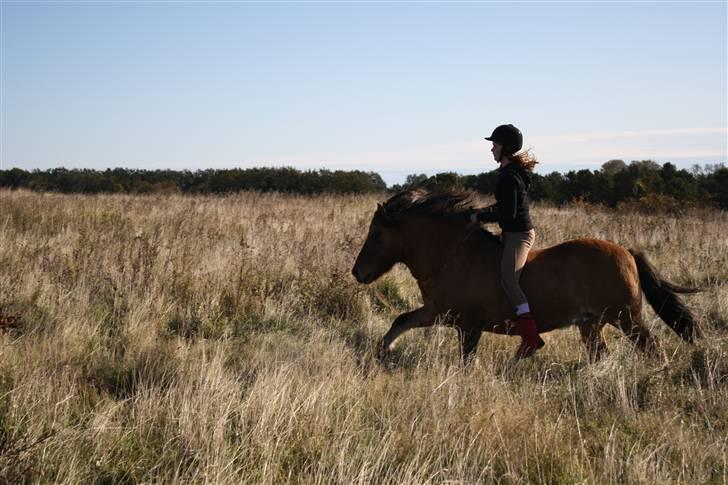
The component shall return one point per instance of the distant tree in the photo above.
(14, 178)
(696, 170)
(444, 180)
(469, 182)
(143, 187)
(715, 185)
(547, 188)
(613, 166)
(485, 182)
(648, 179)
(166, 187)
(645, 165)
(414, 180)
(714, 167)
(577, 185)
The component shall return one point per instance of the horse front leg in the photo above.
(422, 317)
(469, 338)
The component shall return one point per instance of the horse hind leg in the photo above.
(630, 322)
(591, 335)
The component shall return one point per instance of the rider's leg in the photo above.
(515, 252)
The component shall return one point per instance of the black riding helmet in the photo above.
(509, 137)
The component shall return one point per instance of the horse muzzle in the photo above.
(362, 276)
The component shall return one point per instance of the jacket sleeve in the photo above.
(506, 209)
(488, 214)
(509, 206)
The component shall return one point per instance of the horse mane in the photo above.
(447, 204)
(432, 203)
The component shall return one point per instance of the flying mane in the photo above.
(438, 204)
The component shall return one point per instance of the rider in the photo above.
(511, 213)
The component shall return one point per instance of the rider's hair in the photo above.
(525, 159)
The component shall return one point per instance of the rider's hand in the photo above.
(470, 216)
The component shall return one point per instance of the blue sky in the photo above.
(396, 88)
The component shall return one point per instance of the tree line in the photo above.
(614, 183)
(123, 180)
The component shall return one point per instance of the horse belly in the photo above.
(472, 294)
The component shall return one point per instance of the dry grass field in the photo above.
(223, 340)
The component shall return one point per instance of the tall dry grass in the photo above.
(222, 339)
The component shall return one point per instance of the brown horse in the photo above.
(586, 282)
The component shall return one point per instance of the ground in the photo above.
(223, 339)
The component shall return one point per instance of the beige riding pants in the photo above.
(515, 251)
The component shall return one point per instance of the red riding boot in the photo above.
(530, 340)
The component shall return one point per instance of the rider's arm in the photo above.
(506, 207)
(488, 214)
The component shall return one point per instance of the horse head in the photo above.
(382, 249)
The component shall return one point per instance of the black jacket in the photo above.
(511, 194)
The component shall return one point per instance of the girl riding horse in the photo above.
(512, 215)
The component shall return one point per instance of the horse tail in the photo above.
(662, 297)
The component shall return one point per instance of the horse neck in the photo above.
(428, 244)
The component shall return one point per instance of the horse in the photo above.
(584, 282)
